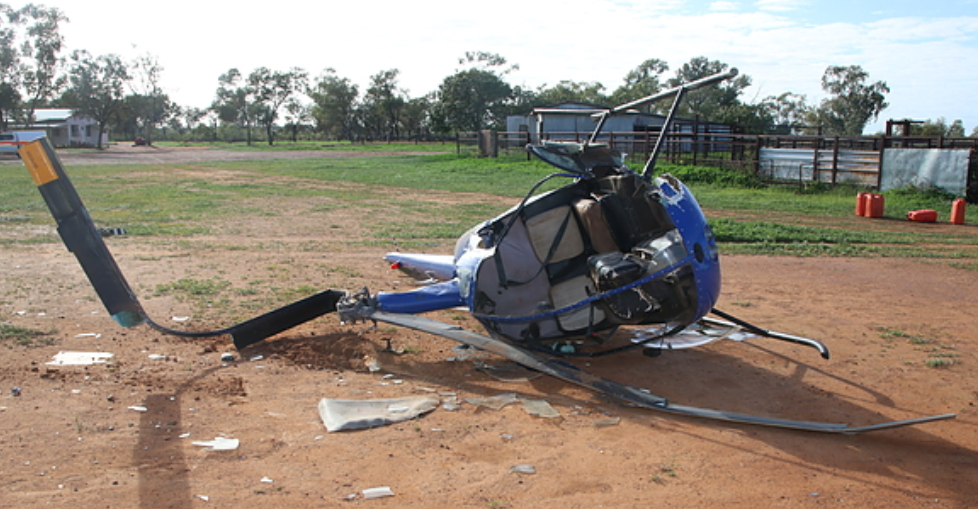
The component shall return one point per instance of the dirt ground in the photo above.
(69, 437)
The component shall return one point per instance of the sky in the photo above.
(926, 51)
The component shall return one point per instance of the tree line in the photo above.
(126, 96)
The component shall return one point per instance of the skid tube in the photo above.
(627, 393)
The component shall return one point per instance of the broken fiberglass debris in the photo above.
(603, 423)
(79, 358)
(508, 372)
(523, 469)
(218, 444)
(344, 414)
(540, 408)
(494, 402)
(382, 491)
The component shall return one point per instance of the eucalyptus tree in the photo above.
(235, 101)
(97, 88)
(642, 81)
(149, 105)
(475, 97)
(334, 105)
(383, 104)
(565, 91)
(853, 102)
(719, 103)
(30, 59)
(788, 111)
(297, 114)
(270, 90)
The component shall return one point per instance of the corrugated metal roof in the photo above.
(52, 114)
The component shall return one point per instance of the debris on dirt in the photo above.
(218, 444)
(157, 357)
(138, 408)
(379, 492)
(604, 423)
(523, 469)
(79, 358)
(342, 414)
(540, 408)
(494, 402)
(508, 372)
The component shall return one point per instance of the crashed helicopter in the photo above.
(554, 277)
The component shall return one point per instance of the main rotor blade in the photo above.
(284, 318)
(78, 232)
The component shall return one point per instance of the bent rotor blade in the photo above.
(80, 236)
(284, 318)
(78, 232)
(628, 393)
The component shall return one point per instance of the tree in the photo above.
(29, 70)
(148, 105)
(787, 111)
(471, 100)
(853, 103)
(416, 116)
(939, 127)
(270, 90)
(382, 104)
(474, 98)
(641, 82)
(334, 105)
(235, 102)
(718, 103)
(40, 62)
(566, 91)
(297, 114)
(97, 88)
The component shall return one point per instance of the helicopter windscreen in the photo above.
(577, 158)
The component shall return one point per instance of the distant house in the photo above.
(576, 120)
(66, 129)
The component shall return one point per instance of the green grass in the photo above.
(188, 200)
(23, 336)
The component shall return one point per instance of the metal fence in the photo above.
(799, 159)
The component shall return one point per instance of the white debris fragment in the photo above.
(157, 357)
(218, 444)
(184, 435)
(88, 335)
(523, 469)
(266, 480)
(79, 358)
(380, 492)
(181, 318)
(205, 498)
(341, 414)
(138, 408)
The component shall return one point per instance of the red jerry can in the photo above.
(922, 216)
(875, 206)
(862, 204)
(957, 211)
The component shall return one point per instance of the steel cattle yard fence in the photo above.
(802, 159)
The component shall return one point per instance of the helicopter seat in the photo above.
(555, 235)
